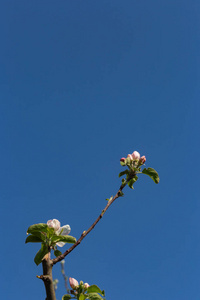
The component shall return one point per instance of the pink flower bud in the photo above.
(54, 224)
(130, 156)
(86, 285)
(123, 159)
(136, 155)
(73, 283)
(142, 160)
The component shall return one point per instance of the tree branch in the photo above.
(83, 235)
(47, 277)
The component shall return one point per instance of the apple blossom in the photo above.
(73, 283)
(135, 155)
(54, 224)
(86, 285)
(123, 159)
(130, 156)
(142, 160)
(64, 230)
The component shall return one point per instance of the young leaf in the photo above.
(94, 289)
(109, 199)
(63, 238)
(57, 253)
(94, 296)
(39, 235)
(82, 297)
(122, 163)
(123, 181)
(50, 231)
(38, 227)
(33, 239)
(132, 181)
(40, 254)
(151, 173)
(123, 173)
(66, 297)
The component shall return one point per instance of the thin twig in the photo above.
(83, 235)
(64, 276)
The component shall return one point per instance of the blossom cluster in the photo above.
(134, 157)
(64, 230)
(75, 285)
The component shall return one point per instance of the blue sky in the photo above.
(83, 83)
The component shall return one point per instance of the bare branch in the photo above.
(47, 277)
(83, 235)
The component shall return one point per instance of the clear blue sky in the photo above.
(83, 83)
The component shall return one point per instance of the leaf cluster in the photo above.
(93, 292)
(133, 170)
(42, 233)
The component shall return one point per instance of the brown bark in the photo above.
(47, 277)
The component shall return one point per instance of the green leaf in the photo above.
(94, 289)
(109, 199)
(151, 173)
(94, 296)
(128, 161)
(63, 238)
(66, 297)
(123, 173)
(50, 231)
(40, 235)
(122, 163)
(57, 253)
(40, 254)
(42, 227)
(82, 297)
(123, 181)
(132, 181)
(33, 239)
